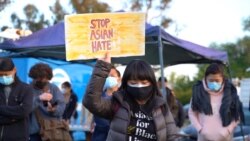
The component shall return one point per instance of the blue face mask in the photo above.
(63, 90)
(214, 86)
(6, 80)
(110, 82)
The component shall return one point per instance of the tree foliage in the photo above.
(4, 3)
(58, 11)
(246, 24)
(33, 20)
(89, 6)
(182, 87)
(238, 55)
(161, 7)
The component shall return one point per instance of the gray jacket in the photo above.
(37, 103)
(118, 110)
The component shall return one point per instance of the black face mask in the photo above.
(140, 93)
(40, 84)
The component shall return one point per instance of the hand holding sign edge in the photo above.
(106, 58)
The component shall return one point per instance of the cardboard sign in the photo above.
(90, 36)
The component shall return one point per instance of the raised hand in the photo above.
(106, 58)
(45, 96)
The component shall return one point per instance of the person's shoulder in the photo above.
(229, 83)
(168, 89)
(54, 88)
(74, 95)
(118, 96)
(197, 83)
(22, 83)
(52, 85)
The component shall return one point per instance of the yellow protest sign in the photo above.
(89, 36)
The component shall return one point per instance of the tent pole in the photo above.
(161, 62)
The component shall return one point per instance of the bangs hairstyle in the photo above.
(215, 68)
(139, 70)
(6, 64)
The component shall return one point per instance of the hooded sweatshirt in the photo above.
(209, 127)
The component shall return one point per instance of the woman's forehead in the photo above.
(218, 75)
(113, 73)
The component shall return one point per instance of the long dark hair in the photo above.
(231, 107)
(139, 70)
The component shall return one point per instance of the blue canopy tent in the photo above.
(50, 43)
(161, 48)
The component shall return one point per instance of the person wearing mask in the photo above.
(215, 106)
(174, 104)
(15, 104)
(101, 124)
(70, 99)
(137, 110)
(47, 100)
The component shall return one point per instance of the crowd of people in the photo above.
(131, 107)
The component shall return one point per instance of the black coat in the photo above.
(70, 107)
(14, 112)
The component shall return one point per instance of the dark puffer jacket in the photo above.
(118, 110)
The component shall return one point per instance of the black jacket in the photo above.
(70, 107)
(14, 112)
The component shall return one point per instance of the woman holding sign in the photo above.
(137, 111)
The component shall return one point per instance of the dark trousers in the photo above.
(35, 137)
(88, 136)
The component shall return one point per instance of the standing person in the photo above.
(48, 99)
(215, 107)
(137, 110)
(111, 85)
(174, 104)
(70, 99)
(165, 86)
(15, 104)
